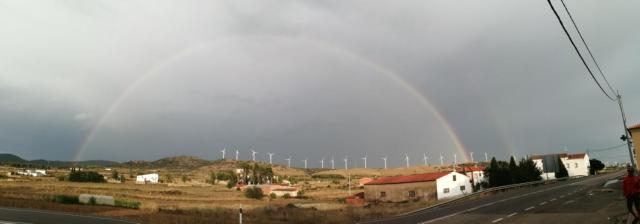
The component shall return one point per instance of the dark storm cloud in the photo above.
(303, 78)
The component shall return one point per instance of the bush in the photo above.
(123, 203)
(286, 196)
(253, 192)
(300, 194)
(66, 199)
(92, 201)
(273, 195)
(86, 176)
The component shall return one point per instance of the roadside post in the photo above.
(240, 215)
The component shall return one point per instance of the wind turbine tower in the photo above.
(365, 161)
(305, 162)
(441, 160)
(270, 157)
(322, 163)
(288, 162)
(385, 162)
(455, 159)
(253, 155)
(223, 151)
(425, 158)
(486, 157)
(346, 162)
(471, 153)
(333, 163)
(406, 158)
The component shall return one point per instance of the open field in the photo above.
(195, 201)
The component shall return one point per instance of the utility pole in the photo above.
(627, 134)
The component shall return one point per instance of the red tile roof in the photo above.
(635, 126)
(425, 177)
(576, 156)
(470, 169)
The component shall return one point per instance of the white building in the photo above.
(148, 178)
(476, 174)
(33, 173)
(452, 185)
(576, 164)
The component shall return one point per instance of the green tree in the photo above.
(253, 192)
(563, 170)
(595, 166)
(513, 171)
(114, 174)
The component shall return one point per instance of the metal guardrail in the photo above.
(484, 191)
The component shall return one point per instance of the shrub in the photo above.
(286, 196)
(92, 200)
(123, 203)
(86, 176)
(273, 195)
(253, 192)
(300, 194)
(66, 199)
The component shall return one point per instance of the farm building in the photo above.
(148, 178)
(425, 187)
(576, 164)
(476, 174)
(33, 173)
(279, 190)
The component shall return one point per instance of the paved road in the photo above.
(21, 216)
(519, 206)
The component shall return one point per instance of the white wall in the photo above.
(153, 178)
(447, 181)
(577, 167)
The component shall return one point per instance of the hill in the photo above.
(13, 159)
(175, 162)
(10, 158)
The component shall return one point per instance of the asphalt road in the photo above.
(568, 200)
(21, 216)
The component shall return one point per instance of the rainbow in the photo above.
(423, 99)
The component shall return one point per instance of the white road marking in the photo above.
(529, 208)
(543, 203)
(492, 203)
(562, 196)
(512, 214)
(496, 220)
(8, 222)
(569, 201)
(553, 199)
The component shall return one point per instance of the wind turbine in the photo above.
(441, 160)
(346, 161)
(385, 162)
(223, 151)
(486, 157)
(471, 157)
(305, 162)
(365, 160)
(333, 163)
(455, 159)
(406, 158)
(270, 157)
(288, 162)
(253, 155)
(425, 158)
(322, 163)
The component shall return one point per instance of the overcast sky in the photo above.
(131, 80)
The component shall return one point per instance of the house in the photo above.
(363, 181)
(634, 131)
(576, 164)
(475, 173)
(425, 187)
(148, 178)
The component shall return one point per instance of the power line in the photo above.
(578, 52)
(607, 148)
(587, 46)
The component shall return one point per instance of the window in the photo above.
(462, 187)
(576, 165)
(454, 177)
(383, 194)
(412, 194)
(568, 165)
(446, 190)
